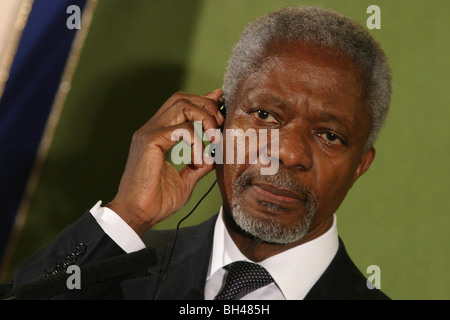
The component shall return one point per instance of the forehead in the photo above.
(292, 72)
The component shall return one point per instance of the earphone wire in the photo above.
(176, 236)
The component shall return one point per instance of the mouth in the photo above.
(271, 193)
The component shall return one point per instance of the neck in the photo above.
(257, 250)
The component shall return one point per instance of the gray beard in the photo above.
(271, 230)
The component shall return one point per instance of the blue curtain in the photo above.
(27, 100)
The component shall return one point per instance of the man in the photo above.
(322, 85)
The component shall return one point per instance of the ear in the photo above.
(364, 164)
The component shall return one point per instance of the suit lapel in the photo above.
(186, 275)
(342, 280)
(335, 278)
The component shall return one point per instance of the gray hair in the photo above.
(322, 27)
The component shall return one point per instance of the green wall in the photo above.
(139, 52)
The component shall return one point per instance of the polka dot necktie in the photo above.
(242, 278)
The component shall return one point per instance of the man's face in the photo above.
(315, 100)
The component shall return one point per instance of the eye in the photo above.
(331, 138)
(264, 116)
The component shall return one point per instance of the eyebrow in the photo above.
(280, 102)
(277, 100)
(269, 97)
(331, 117)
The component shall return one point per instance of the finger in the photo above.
(185, 110)
(209, 102)
(166, 138)
(215, 95)
(192, 175)
(197, 148)
(191, 144)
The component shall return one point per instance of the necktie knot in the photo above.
(242, 278)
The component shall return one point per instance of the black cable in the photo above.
(176, 236)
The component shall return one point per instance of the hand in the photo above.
(151, 189)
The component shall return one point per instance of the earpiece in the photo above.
(223, 111)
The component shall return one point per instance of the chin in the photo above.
(271, 223)
(276, 209)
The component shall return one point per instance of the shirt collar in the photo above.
(295, 270)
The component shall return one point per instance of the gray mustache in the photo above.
(282, 180)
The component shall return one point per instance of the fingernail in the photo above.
(220, 115)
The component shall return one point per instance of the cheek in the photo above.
(227, 174)
(333, 181)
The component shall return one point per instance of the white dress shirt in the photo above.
(294, 271)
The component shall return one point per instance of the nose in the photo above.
(295, 149)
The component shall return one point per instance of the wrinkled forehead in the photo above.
(290, 68)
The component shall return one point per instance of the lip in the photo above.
(272, 193)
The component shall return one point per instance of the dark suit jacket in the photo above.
(85, 242)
